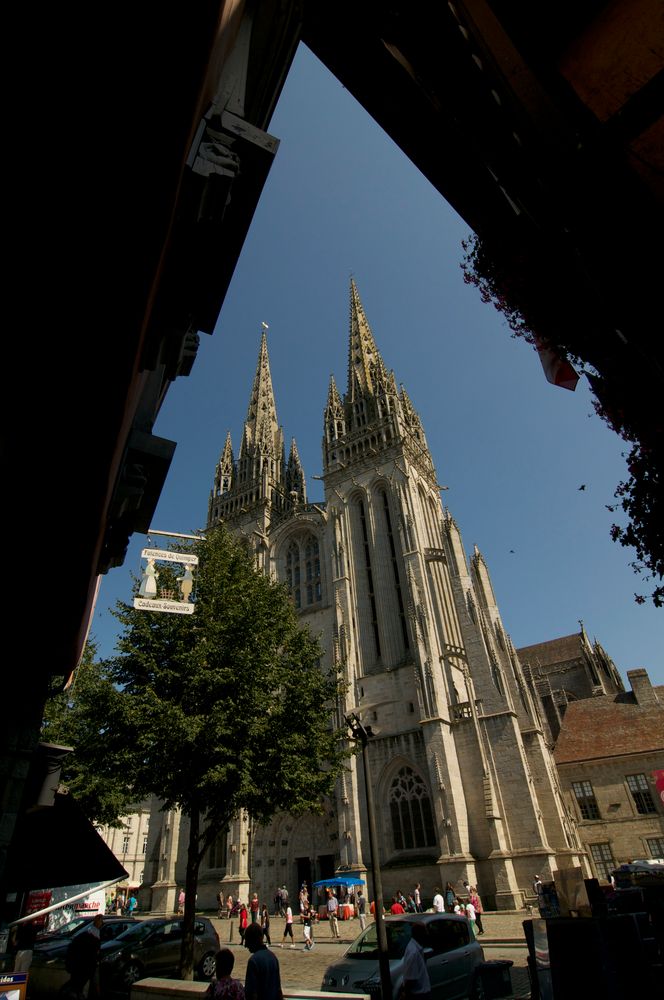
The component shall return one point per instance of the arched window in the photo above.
(303, 571)
(410, 811)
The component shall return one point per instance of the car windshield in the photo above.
(69, 927)
(366, 946)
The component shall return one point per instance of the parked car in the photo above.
(452, 958)
(47, 969)
(152, 948)
(111, 928)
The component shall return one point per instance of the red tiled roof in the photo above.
(603, 727)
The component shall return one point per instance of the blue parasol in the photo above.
(346, 880)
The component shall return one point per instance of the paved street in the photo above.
(304, 969)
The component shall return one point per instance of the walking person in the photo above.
(362, 909)
(477, 903)
(308, 929)
(265, 924)
(417, 896)
(288, 929)
(416, 982)
(438, 901)
(332, 908)
(82, 961)
(450, 898)
(254, 907)
(243, 920)
(262, 980)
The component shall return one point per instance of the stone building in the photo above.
(464, 781)
(610, 759)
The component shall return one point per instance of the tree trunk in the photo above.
(190, 891)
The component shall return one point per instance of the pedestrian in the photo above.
(416, 982)
(23, 941)
(243, 920)
(332, 908)
(229, 906)
(474, 898)
(82, 960)
(288, 929)
(417, 896)
(284, 901)
(438, 901)
(119, 904)
(181, 901)
(450, 897)
(396, 909)
(265, 924)
(132, 903)
(411, 905)
(469, 910)
(262, 980)
(223, 987)
(221, 909)
(362, 909)
(254, 907)
(308, 929)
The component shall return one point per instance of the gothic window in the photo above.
(395, 568)
(303, 571)
(410, 811)
(585, 799)
(369, 571)
(638, 786)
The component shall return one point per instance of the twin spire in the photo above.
(372, 401)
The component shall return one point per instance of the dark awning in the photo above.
(57, 845)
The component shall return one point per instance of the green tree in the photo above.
(211, 706)
(81, 716)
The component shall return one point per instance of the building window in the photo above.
(125, 843)
(410, 811)
(656, 847)
(145, 845)
(603, 860)
(638, 786)
(303, 571)
(585, 799)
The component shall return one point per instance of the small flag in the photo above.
(558, 370)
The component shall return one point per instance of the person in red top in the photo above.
(244, 920)
(396, 906)
(255, 907)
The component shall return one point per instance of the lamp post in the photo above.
(363, 734)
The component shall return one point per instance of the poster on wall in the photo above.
(13, 985)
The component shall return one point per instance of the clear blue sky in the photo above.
(341, 199)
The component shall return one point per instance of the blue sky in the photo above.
(342, 199)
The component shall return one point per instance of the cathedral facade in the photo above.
(463, 777)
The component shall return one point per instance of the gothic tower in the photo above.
(462, 773)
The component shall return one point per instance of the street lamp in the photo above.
(363, 734)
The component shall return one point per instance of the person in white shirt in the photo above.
(416, 982)
(417, 896)
(438, 901)
(288, 929)
(332, 907)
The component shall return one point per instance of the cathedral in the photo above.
(463, 777)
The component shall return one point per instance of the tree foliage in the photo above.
(506, 284)
(81, 716)
(209, 708)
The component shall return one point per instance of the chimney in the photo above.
(643, 690)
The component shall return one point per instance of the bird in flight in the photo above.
(582, 486)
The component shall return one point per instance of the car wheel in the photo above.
(207, 967)
(131, 973)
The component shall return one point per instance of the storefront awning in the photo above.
(58, 845)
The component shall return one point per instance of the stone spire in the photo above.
(261, 427)
(296, 489)
(365, 365)
(225, 468)
(262, 439)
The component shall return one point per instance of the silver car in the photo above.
(452, 958)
